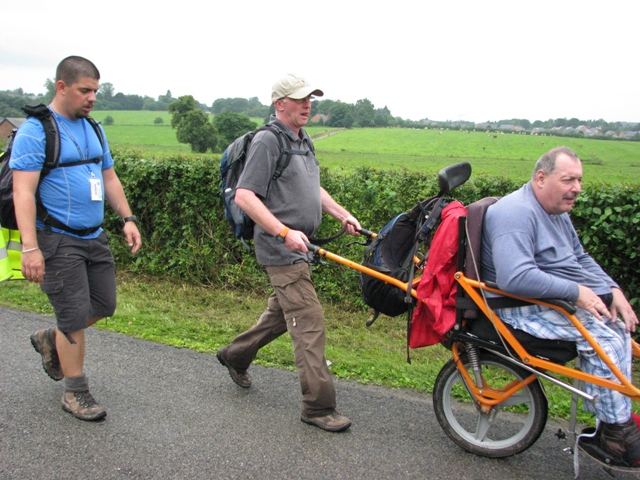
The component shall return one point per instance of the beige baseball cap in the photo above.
(293, 86)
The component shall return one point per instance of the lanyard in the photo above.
(84, 127)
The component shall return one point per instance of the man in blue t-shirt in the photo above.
(531, 249)
(71, 260)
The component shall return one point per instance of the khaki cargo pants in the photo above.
(292, 307)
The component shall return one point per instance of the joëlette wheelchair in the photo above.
(488, 398)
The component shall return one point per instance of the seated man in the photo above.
(531, 249)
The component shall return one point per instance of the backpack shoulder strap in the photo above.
(96, 128)
(285, 149)
(51, 134)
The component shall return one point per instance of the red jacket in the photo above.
(435, 313)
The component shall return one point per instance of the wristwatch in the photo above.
(132, 218)
(282, 234)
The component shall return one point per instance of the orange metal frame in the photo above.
(486, 396)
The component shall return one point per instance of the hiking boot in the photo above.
(333, 422)
(44, 342)
(622, 440)
(82, 405)
(241, 377)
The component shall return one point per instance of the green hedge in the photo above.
(186, 236)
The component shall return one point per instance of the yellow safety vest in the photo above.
(13, 248)
(5, 263)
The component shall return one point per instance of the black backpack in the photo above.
(231, 166)
(392, 252)
(51, 161)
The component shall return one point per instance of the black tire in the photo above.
(501, 433)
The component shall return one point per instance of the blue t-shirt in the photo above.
(73, 195)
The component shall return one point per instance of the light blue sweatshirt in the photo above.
(531, 253)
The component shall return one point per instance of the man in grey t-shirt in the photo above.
(287, 213)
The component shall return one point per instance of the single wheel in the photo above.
(509, 428)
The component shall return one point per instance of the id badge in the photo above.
(96, 189)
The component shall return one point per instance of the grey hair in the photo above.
(547, 162)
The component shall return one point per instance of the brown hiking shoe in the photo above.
(333, 422)
(241, 378)
(622, 440)
(82, 405)
(44, 342)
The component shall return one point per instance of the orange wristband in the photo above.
(284, 232)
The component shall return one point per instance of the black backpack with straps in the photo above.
(52, 159)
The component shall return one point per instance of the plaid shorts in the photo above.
(544, 322)
(80, 278)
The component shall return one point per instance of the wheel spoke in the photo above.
(516, 399)
(484, 423)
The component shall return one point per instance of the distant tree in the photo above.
(380, 120)
(324, 106)
(573, 122)
(150, 104)
(106, 91)
(231, 125)
(526, 124)
(108, 120)
(237, 105)
(121, 101)
(167, 98)
(158, 121)
(192, 125)
(364, 113)
(180, 108)
(197, 131)
(50, 85)
(10, 105)
(250, 107)
(340, 116)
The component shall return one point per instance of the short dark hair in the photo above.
(73, 68)
(547, 162)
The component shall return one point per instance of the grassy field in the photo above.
(508, 155)
(137, 130)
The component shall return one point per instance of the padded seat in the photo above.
(557, 351)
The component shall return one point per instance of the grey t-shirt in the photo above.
(294, 198)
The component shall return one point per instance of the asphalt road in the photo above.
(176, 414)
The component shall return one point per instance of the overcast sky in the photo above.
(442, 60)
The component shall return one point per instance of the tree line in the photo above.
(218, 134)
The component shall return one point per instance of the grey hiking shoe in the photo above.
(333, 422)
(44, 342)
(241, 378)
(82, 405)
